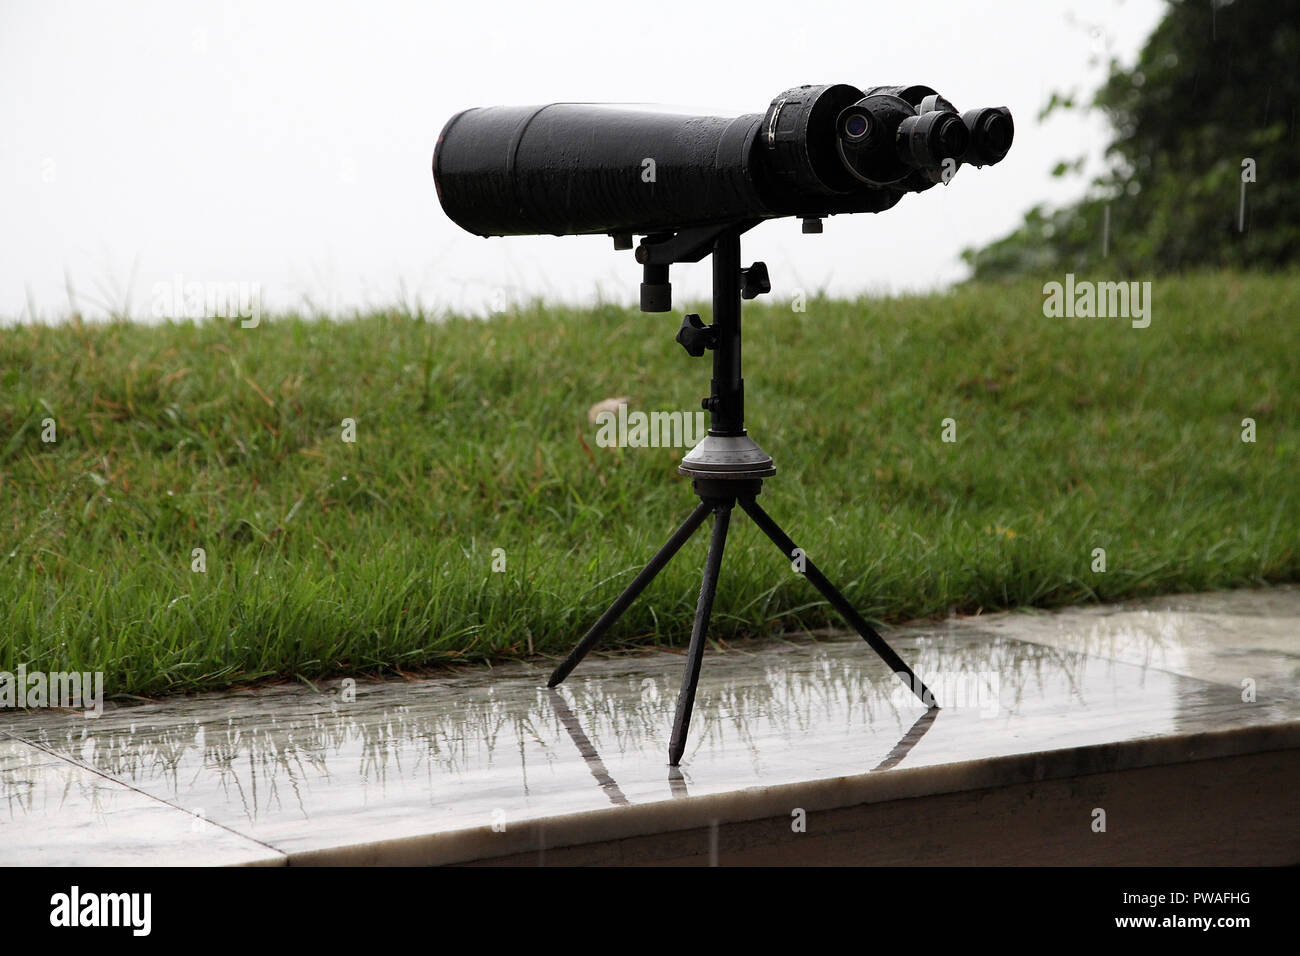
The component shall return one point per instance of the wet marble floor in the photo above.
(488, 762)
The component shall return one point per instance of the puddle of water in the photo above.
(301, 770)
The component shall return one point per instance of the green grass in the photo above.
(326, 558)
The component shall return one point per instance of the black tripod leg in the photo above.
(624, 600)
(695, 655)
(838, 601)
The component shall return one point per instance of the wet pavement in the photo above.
(490, 763)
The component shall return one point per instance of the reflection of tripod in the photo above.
(728, 467)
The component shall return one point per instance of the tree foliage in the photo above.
(1217, 84)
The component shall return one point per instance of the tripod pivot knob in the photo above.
(754, 281)
(695, 336)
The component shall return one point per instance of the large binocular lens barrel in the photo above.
(573, 168)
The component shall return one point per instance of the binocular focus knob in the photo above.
(695, 336)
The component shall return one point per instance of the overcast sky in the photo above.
(288, 145)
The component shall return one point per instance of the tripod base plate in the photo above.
(727, 456)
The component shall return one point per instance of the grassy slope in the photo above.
(327, 557)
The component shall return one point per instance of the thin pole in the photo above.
(839, 602)
(728, 388)
(695, 655)
(624, 600)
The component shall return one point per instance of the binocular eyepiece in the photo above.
(991, 132)
(570, 168)
(883, 139)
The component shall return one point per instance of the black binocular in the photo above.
(817, 151)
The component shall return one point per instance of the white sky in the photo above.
(288, 145)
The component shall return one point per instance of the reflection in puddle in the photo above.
(585, 748)
(474, 750)
(910, 740)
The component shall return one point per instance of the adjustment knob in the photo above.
(695, 336)
(754, 281)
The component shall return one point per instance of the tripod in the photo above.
(727, 466)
